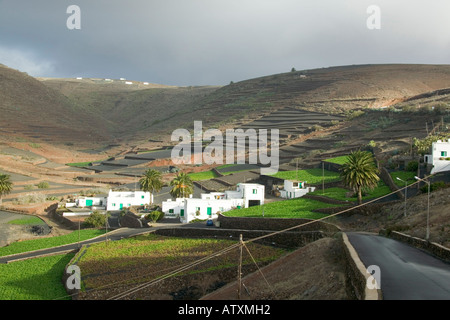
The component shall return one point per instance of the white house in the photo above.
(210, 204)
(295, 189)
(91, 202)
(439, 157)
(117, 200)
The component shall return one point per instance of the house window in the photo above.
(197, 208)
(170, 210)
(443, 153)
(142, 197)
(255, 191)
(113, 204)
(295, 184)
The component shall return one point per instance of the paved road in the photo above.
(407, 273)
(112, 236)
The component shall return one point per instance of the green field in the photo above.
(311, 176)
(28, 220)
(150, 256)
(204, 175)
(34, 279)
(49, 242)
(292, 208)
(338, 160)
(339, 193)
(407, 176)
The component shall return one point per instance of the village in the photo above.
(185, 208)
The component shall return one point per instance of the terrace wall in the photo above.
(434, 248)
(356, 275)
(284, 239)
(386, 177)
(274, 224)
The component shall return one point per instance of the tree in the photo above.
(151, 182)
(5, 185)
(360, 172)
(182, 185)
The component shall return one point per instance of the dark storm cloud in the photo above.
(193, 42)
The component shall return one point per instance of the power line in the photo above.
(240, 244)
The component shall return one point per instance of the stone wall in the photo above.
(433, 248)
(283, 240)
(356, 275)
(274, 224)
(386, 177)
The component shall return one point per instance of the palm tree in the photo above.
(182, 185)
(360, 172)
(5, 185)
(151, 182)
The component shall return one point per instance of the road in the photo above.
(406, 273)
(117, 234)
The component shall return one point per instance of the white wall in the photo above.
(118, 200)
(437, 149)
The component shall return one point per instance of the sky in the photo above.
(213, 42)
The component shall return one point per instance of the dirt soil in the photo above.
(313, 272)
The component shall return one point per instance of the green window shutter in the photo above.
(182, 212)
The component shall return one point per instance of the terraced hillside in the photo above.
(108, 111)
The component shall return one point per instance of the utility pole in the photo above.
(240, 267)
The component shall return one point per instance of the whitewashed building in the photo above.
(91, 202)
(295, 189)
(117, 200)
(210, 204)
(439, 158)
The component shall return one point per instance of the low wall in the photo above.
(273, 224)
(386, 177)
(63, 220)
(326, 199)
(284, 239)
(433, 248)
(356, 274)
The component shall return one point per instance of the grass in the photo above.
(148, 256)
(83, 164)
(32, 221)
(292, 208)
(34, 279)
(339, 193)
(49, 242)
(311, 176)
(204, 175)
(338, 160)
(407, 176)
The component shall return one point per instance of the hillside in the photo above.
(31, 110)
(102, 111)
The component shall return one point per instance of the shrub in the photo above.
(43, 185)
(155, 216)
(96, 220)
(31, 198)
(434, 186)
(412, 166)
